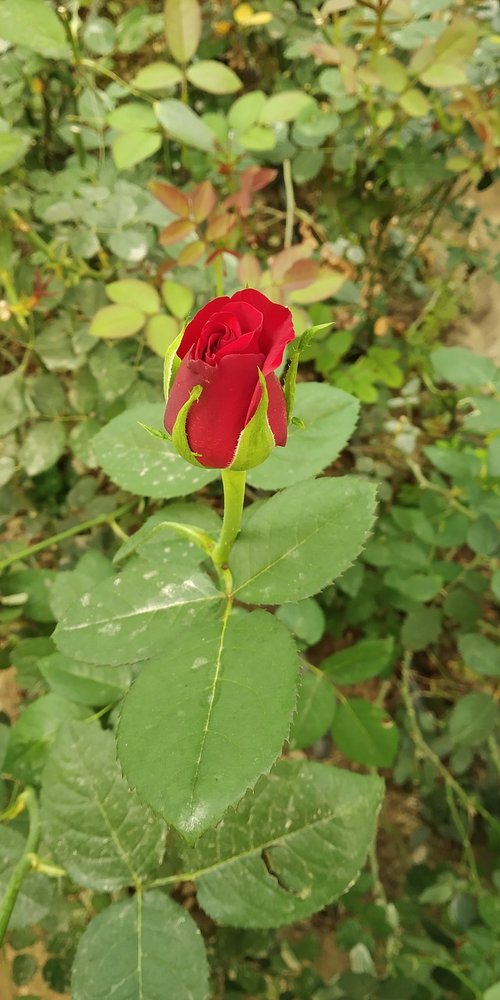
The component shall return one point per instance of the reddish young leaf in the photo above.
(251, 180)
(203, 201)
(192, 253)
(249, 271)
(301, 274)
(283, 261)
(173, 199)
(176, 231)
(220, 226)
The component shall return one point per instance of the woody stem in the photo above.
(234, 495)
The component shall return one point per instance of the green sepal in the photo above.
(171, 364)
(296, 348)
(256, 441)
(154, 432)
(179, 435)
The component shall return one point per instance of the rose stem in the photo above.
(24, 865)
(234, 495)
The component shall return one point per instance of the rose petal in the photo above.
(194, 328)
(277, 330)
(216, 420)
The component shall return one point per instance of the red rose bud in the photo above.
(225, 406)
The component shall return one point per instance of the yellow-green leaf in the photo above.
(117, 322)
(415, 103)
(132, 292)
(182, 28)
(284, 107)
(130, 148)
(178, 298)
(157, 76)
(160, 332)
(213, 77)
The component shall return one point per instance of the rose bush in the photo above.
(230, 352)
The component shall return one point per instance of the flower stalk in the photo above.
(234, 495)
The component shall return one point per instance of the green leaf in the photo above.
(126, 620)
(322, 288)
(13, 146)
(143, 464)
(421, 628)
(99, 35)
(32, 736)
(462, 367)
(134, 116)
(493, 992)
(485, 417)
(329, 416)
(93, 826)
(483, 537)
(472, 719)
(85, 683)
(161, 331)
(116, 322)
(35, 25)
(182, 28)
(130, 148)
(34, 586)
(178, 298)
(35, 893)
(391, 72)
(359, 662)
(442, 74)
(305, 619)
(204, 699)
(257, 139)
(130, 245)
(246, 110)
(13, 409)
(42, 447)
(419, 587)
(315, 711)
(294, 544)
(293, 845)
(184, 125)
(365, 733)
(154, 541)
(131, 292)
(213, 77)
(145, 948)
(415, 103)
(494, 458)
(480, 654)
(284, 107)
(157, 76)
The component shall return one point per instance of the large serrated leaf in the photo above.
(329, 417)
(130, 618)
(145, 948)
(93, 824)
(34, 733)
(202, 722)
(300, 540)
(293, 845)
(143, 464)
